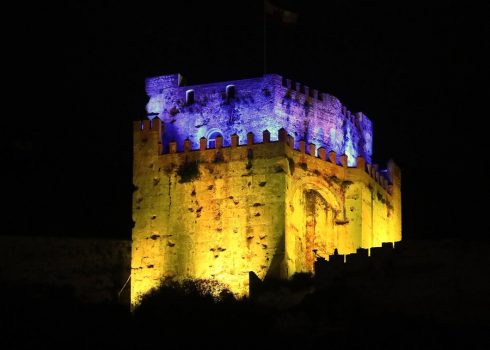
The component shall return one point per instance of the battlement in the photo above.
(360, 260)
(256, 175)
(304, 94)
(269, 102)
(307, 151)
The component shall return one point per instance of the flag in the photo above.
(284, 16)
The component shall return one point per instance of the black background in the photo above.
(75, 81)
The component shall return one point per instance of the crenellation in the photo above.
(282, 135)
(302, 146)
(172, 147)
(203, 143)
(372, 170)
(322, 153)
(266, 136)
(315, 94)
(187, 145)
(219, 142)
(306, 91)
(250, 138)
(343, 160)
(393, 173)
(229, 204)
(369, 169)
(325, 121)
(234, 140)
(312, 149)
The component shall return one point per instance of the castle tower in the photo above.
(256, 175)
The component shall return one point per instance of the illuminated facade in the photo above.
(255, 175)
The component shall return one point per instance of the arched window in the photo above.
(230, 91)
(189, 97)
(212, 135)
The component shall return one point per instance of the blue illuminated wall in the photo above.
(269, 102)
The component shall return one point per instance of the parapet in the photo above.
(385, 178)
(156, 85)
(303, 93)
(359, 262)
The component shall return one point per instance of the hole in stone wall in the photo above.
(230, 91)
(212, 139)
(189, 97)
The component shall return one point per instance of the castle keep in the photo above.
(256, 175)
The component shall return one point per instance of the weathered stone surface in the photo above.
(264, 103)
(236, 186)
(260, 207)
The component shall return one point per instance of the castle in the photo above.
(256, 175)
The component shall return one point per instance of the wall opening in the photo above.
(230, 91)
(212, 135)
(315, 236)
(318, 223)
(189, 97)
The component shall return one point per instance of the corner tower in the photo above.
(257, 175)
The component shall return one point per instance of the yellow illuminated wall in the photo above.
(260, 207)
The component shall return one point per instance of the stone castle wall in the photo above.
(259, 205)
(266, 103)
(216, 226)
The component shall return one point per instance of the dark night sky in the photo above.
(77, 81)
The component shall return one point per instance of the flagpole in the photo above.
(265, 39)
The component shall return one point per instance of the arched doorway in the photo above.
(310, 228)
(318, 221)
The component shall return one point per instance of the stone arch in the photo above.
(310, 221)
(319, 185)
(211, 137)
